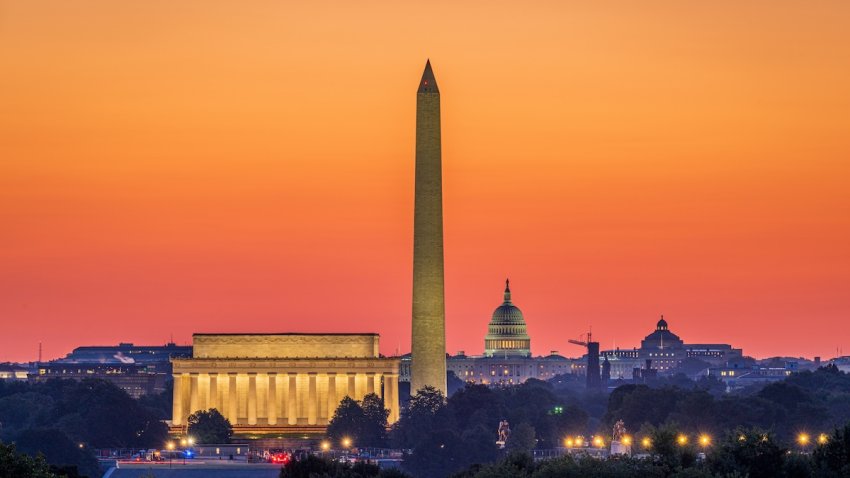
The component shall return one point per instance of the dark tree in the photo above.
(210, 426)
(418, 418)
(347, 421)
(834, 455)
(373, 432)
(58, 450)
(16, 465)
(750, 452)
(523, 438)
(315, 467)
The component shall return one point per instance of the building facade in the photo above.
(665, 351)
(137, 369)
(507, 358)
(281, 382)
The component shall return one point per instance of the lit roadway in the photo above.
(194, 469)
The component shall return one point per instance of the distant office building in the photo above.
(13, 371)
(138, 370)
(736, 378)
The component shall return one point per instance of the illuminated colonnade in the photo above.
(282, 380)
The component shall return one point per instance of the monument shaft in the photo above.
(428, 365)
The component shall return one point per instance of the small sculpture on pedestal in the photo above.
(504, 433)
(621, 443)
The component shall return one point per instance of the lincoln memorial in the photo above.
(281, 382)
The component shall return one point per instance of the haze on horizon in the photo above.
(169, 168)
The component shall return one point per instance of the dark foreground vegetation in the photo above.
(450, 436)
(64, 420)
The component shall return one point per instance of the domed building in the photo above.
(661, 338)
(507, 335)
(507, 358)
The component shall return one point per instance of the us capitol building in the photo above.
(507, 356)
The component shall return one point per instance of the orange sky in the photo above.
(198, 166)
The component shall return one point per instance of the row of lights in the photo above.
(188, 441)
(804, 439)
(704, 440)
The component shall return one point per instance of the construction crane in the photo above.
(594, 380)
(583, 343)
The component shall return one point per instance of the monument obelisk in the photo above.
(428, 365)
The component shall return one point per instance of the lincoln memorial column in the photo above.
(378, 390)
(351, 381)
(177, 410)
(312, 402)
(193, 393)
(292, 399)
(271, 399)
(203, 390)
(370, 383)
(213, 400)
(232, 400)
(332, 400)
(252, 398)
(391, 400)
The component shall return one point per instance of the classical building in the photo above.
(507, 334)
(281, 382)
(429, 310)
(507, 358)
(663, 350)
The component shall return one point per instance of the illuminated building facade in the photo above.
(665, 351)
(507, 356)
(137, 369)
(281, 382)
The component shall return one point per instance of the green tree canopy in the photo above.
(209, 426)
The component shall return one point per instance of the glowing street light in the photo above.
(191, 441)
(822, 439)
(627, 440)
(682, 440)
(346, 442)
(326, 445)
(184, 442)
(598, 442)
(646, 442)
(704, 440)
(568, 442)
(169, 445)
(803, 439)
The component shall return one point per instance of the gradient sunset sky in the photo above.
(203, 166)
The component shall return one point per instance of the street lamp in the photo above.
(598, 442)
(803, 439)
(704, 440)
(170, 447)
(346, 442)
(568, 442)
(627, 440)
(682, 440)
(822, 439)
(646, 442)
(191, 441)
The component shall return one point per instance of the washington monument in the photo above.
(429, 311)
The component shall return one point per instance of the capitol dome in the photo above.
(507, 334)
